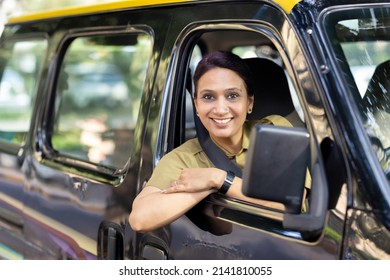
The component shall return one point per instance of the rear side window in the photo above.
(20, 64)
(362, 44)
(99, 90)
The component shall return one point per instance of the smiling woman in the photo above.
(143, 111)
(223, 98)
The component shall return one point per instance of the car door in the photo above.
(84, 156)
(21, 60)
(220, 227)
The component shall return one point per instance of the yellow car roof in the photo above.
(287, 5)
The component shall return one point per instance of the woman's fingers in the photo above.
(175, 187)
(192, 180)
(178, 186)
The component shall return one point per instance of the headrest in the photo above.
(272, 94)
(378, 91)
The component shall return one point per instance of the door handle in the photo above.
(151, 252)
(79, 184)
(110, 242)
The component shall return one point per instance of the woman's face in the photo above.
(222, 104)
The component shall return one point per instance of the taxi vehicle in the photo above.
(103, 92)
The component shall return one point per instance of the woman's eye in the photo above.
(233, 95)
(207, 97)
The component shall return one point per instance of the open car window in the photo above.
(274, 90)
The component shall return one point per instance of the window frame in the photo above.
(235, 210)
(373, 179)
(74, 166)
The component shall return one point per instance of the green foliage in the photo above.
(40, 5)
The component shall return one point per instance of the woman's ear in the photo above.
(251, 100)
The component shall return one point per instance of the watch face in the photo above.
(229, 177)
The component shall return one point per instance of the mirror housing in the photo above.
(276, 165)
(275, 170)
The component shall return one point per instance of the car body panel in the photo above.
(54, 207)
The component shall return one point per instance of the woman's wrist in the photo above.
(223, 180)
(218, 178)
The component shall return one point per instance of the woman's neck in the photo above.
(232, 146)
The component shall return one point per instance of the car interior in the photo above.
(274, 93)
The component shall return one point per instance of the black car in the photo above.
(69, 172)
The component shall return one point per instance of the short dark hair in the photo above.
(228, 60)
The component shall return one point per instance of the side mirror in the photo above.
(275, 170)
(276, 165)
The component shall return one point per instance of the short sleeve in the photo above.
(188, 155)
(167, 170)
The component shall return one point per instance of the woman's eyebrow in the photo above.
(206, 90)
(234, 88)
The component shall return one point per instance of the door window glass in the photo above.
(20, 64)
(99, 89)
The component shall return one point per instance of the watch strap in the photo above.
(227, 182)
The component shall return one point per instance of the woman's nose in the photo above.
(221, 107)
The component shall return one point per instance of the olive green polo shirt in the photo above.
(191, 155)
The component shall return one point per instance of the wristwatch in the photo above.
(227, 183)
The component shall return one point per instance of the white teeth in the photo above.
(222, 121)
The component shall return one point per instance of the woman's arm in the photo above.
(235, 191)
(195, 179)
(153, 208)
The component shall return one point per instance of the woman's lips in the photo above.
(222, 121)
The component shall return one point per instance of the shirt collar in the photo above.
(246, 135)
(245, 141)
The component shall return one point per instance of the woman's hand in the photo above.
(193, 180)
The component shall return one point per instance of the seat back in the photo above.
(377, 96)
(375, 107)
(272, 92)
